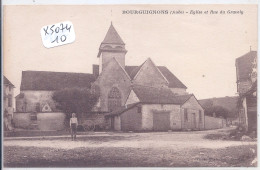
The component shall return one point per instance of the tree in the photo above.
(75, 100)
(219, 110)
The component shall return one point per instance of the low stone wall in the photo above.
(21, 120)
(45, 121)
(214, 123)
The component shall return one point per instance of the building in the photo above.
(246, 71)
(119, 85)
(8, 109)
(157, 109)
(35, 108)
(145, 97)
(37, 88)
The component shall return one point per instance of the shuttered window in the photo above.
(185, 114)
(200, 116)
(10, 101)
(139, 109)
(37, 107)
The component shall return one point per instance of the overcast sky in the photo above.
(199, 49)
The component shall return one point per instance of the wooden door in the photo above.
(193, 121)
(112, 123)
(161, 121)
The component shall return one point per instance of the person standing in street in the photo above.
(73, 126)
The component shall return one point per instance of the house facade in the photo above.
(246, 70)
(157, 109)
(37, 88)
(120, 85)
(8, 110)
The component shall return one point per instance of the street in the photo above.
(109, 149)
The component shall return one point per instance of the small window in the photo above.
(10, 101)
(37, 107)
(10, 88)
(139, 109)
(185, 114)
(33, 117)
(200, 116)
(242, 111)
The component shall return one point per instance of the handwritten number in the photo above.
(46, 30)
(62, 27)
(63, 39)
(68, 28)
(56, 39)
(52, 29)
(57, 29)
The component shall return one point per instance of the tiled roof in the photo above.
(153, 95)
(112, 37)
(181, 99)
(45, 80)
(21, 95)
(132, 70)
(121, 109)
(172, 79)
(174, 82)
(244, 65)
(7, 82)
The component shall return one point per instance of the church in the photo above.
(132, 98)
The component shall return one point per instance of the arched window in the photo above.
(114, 99)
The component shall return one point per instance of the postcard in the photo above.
(169, 85)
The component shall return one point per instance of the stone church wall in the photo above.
(179, 91)
(107, 56)
(113, 76)
(150, 76)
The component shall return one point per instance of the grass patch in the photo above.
(231, 134)
(217, 136)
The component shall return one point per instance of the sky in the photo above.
(199, 49)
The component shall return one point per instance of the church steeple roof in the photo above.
(112, 37)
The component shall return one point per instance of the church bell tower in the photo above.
(111, 47)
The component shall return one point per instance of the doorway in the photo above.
(193, 121)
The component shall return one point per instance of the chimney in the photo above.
(95, 70)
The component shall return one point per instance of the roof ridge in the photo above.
(172, 75)
(122, 68)
(112, 37)
(46, 80)
(150, 86)
(246, 54)
(55, 72)
(6, 81)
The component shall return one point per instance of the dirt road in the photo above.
(128, 149)
(174, 140)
